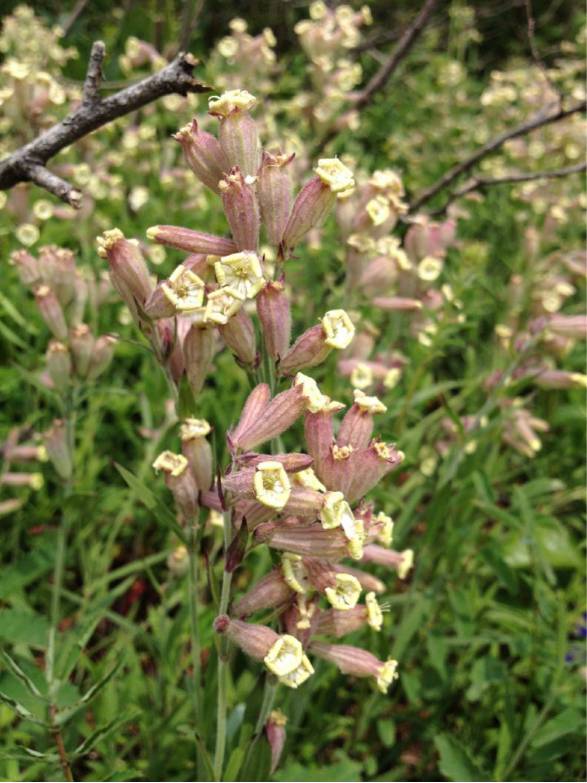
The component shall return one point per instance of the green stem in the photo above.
(193, 608)
(220, 748)
(57, 587)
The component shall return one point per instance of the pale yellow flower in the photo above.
(184, 289)
(242, 272)
(336, 175)
(271, 483)
(345, 594)
(285, 655)
(338, 328)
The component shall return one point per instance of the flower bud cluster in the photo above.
(327, 38)
(242, 58)
(204, 303)
(63, 294)
(311, 509)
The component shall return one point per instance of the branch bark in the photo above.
(538, 121)
(28, 164)
(481, 183)
(399, 53)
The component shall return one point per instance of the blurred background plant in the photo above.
(469, 326)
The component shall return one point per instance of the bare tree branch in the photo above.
(28, 164)
(73, 16)
(481, 183)
(538, 121)
(385, 72)
(94, 74)
(400, 51)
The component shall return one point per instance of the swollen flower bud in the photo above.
(198, 351)
(238, 133)
(59, 449)
(82, 347)
(270, 592)
(275, 317)
(336, 330)
(274, 188)
(128, 271)
(239, 335)
(51, 311)
(191, 241)
(241, 208)
(203, 154)
(101, 356)
(180, 482)
(310, 541)
(357, 426)
(59, 364)
(316, 199)
(197, 450)
(358, 663)
(255, 404)
(275, 731)
(368, 466)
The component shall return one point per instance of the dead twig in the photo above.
(539, 120)
(28, 164)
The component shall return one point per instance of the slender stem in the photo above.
(55, 602)
(220, 748)
(58, 738)
(266, 705)
(193, 606)
(56, 589)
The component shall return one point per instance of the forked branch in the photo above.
(545, 117)
(482, 183)
(28, 164)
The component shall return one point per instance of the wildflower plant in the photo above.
(308, 507)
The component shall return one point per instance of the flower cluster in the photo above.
(242, 58)
(205, 302)
(64, 294)
(327, 38)
(310, 507)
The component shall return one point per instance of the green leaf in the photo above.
(18, 627)
(409, 626)
(20, 674)
(568, 722)
(102, 733)
(20, 709)
(234, 764)
(144, 494)
(66, 715)
(454, 762)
